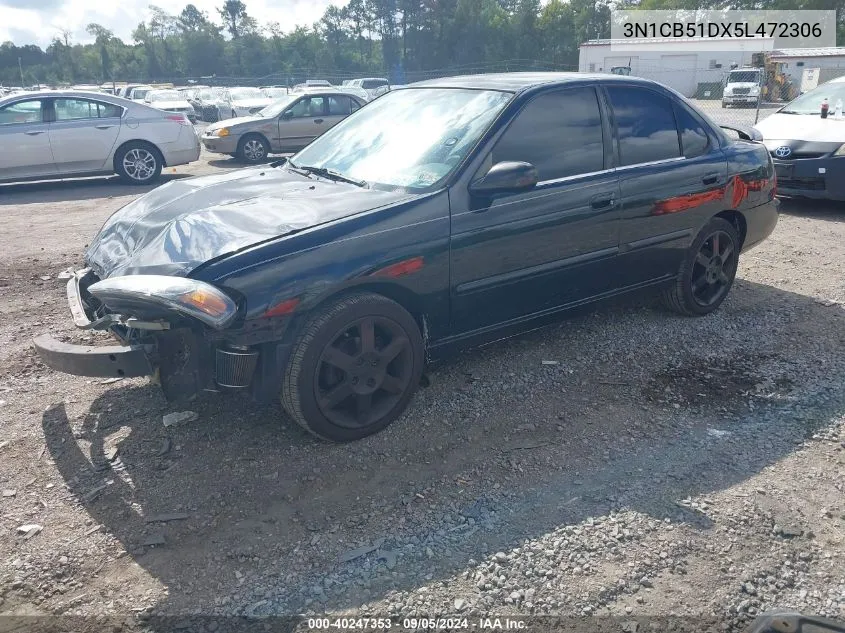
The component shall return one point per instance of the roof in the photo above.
(87, 94)
(830, 51)
(515, 82)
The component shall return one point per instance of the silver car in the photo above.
(66, 133)
(286, 125)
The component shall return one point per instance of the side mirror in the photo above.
(287, 116)
(506, 176)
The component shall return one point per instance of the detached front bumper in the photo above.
(85, 360)
(126, 361)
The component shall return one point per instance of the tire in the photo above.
(377, 380)
(253, 149)
(706, 275)
(138, 163)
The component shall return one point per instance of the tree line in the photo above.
(381, 37)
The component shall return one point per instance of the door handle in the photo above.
(710, 179)
(103, 127)
(603, 202)
(34, 132)
(318, 120)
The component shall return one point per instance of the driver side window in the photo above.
(307, 107)
(560, 133)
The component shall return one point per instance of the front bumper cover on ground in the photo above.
(126, 361)
(85, 360)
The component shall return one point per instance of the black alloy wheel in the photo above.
(363, 372)
(707, 273)
(715, 265)
(354, 368)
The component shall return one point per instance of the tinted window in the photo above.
(559, 133)
(21, 112)
(646, 125)
(339, 106)
(693, 137)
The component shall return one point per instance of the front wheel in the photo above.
(354, 368)
(707, 272)
(138, 163)
(253, 149)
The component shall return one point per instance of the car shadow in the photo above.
(77, 189)
(244, 497)
(828, 210)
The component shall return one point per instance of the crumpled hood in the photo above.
(184, 223)
(802, 127)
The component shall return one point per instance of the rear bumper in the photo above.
(760, 223)
(817, 178)
(100, 362)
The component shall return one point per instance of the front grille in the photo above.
(812, 184)
(742, 91)
(234, 367)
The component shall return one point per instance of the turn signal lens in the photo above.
(211, 304)
(223, 131)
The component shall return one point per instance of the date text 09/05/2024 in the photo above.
(420, 624)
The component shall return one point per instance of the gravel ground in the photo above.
(652, 466)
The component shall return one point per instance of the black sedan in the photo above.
(441, 215)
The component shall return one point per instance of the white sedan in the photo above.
(170, 101)
(235, 102)
(56, 134)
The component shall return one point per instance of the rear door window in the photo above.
(694, 141)
(645, 121)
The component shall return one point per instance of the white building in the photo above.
(680, 64)
(829, 61)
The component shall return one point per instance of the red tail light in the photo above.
(179, 118)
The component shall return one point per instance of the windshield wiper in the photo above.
(795, 112)
(331, 174)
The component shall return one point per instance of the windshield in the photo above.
(275, 93)
(246, 93)
(166, 95)
(410, 138)
(810, 102)
(743, 77)
(278, 106)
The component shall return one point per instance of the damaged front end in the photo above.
(169, 328)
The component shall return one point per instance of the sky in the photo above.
(38, 21)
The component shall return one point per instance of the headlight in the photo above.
(728, 91)
(223, 131)
(188, 296)
(840, 151)
(755, 90)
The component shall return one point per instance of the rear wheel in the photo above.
(253, 149)
(354, 368)
(707, 272)
(138, 163)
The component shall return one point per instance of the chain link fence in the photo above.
(705, 86)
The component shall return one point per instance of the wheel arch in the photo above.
(404, 296)
(246, 135)
(739, 222)
(143, 142)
